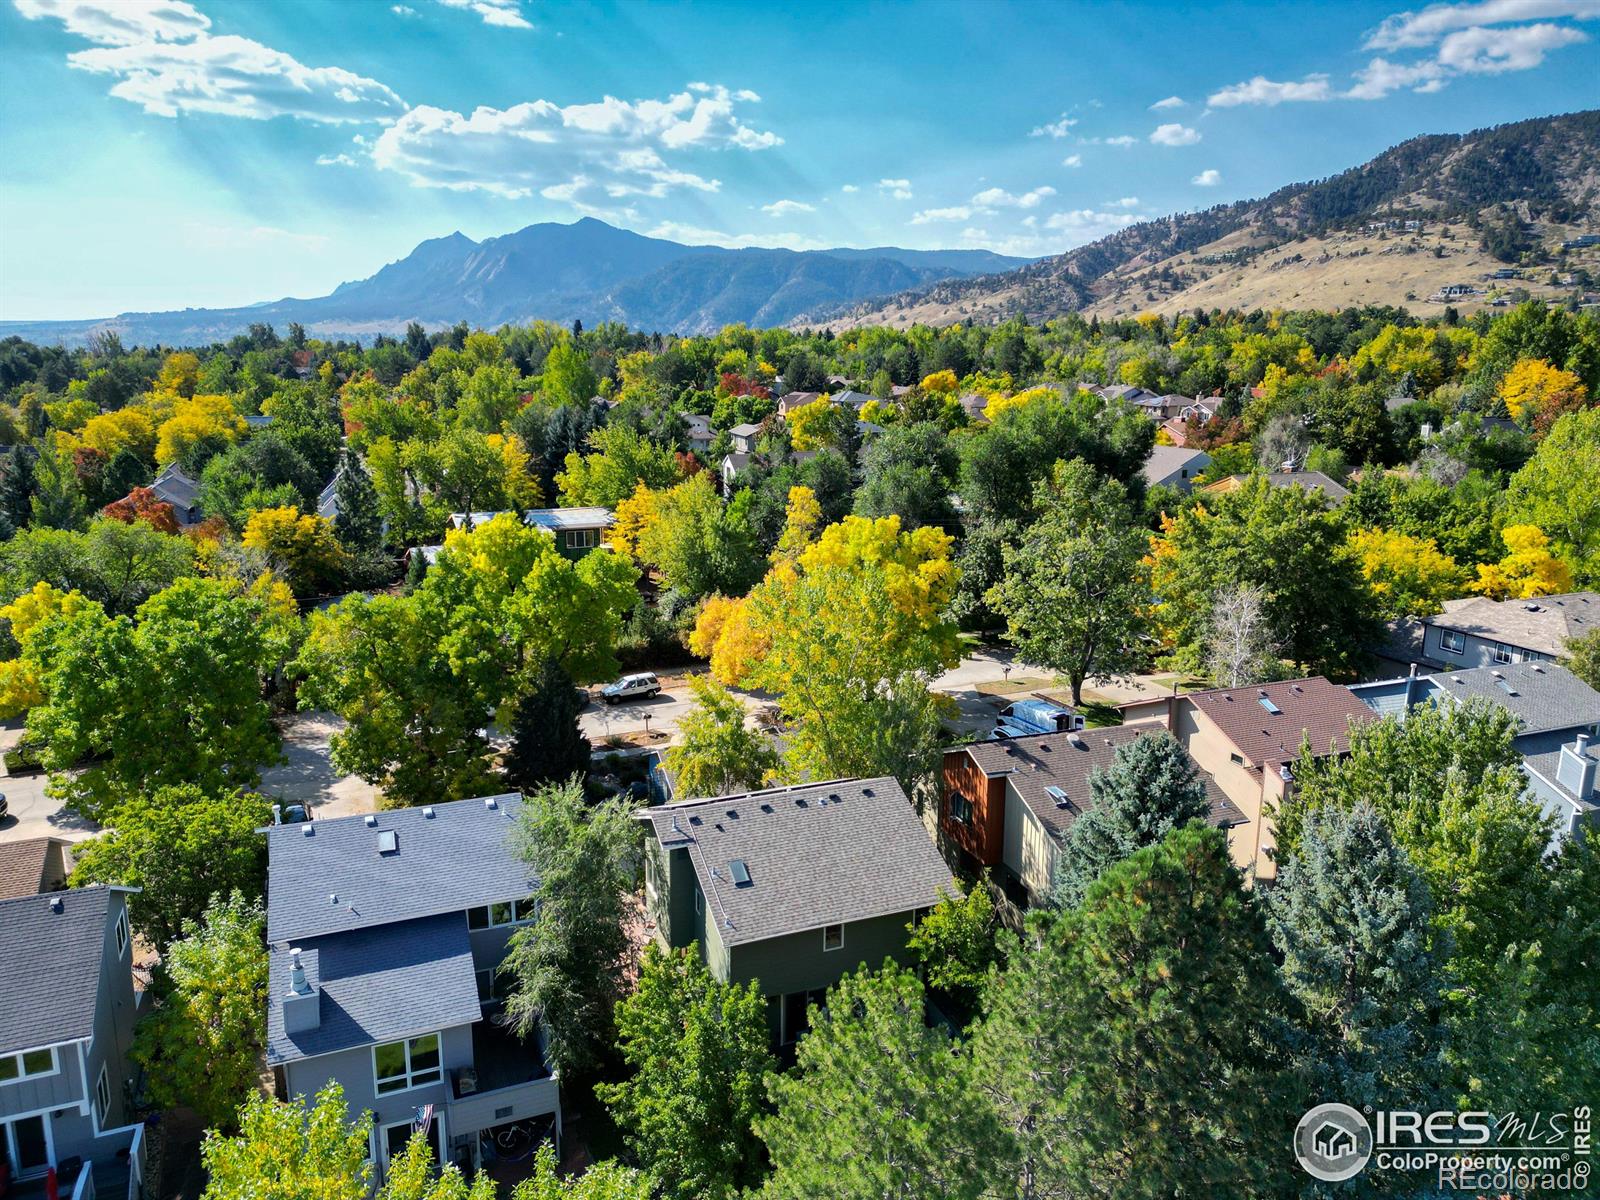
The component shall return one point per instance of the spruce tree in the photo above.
(358, 524)
(1150, 788)
(1352, 918)
(546, 744)
(1132, 1047)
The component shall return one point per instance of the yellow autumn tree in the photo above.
(943, 382)
(1533, 386)
(820, 423)
(179, 375)
(21, 686)
(195, 421)
(132, 428)
(1529, 568)
(1409, 576)
(303, 549)
(801, 517)
(999, 404)
(631, 518)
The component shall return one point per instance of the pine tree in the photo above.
(358, 525)
(547, 745)
(1150, 788)
(1352, 919)
(1131, 1047)
(18, 480)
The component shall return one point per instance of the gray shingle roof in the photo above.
(1064, 761)
(1312, 481)
(1165, 461)
(376, 985)
(175, 488)
(1541, 754)
(458, 858)
(818, 854)
(1543, 696)
(50, 966)
(1544, 625)
(557, 519)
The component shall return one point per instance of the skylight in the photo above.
(1058, 796)
(1266, 703)
(740, 872)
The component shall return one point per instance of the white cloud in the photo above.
(1491, 51)
(1174, 135)
(1089, 220)
(1122, 139)
(612, 147)
(900, 189)
(506, 14)
(1125, 202)
(236, 77)
(1261, 90)
(1380, 77)
(336, 160)
(403, 10)
(1169, 102)
(1210, 177)
(695, 235)
(779, 208)
(1410, 30)
(1055, 129)
(1000, 198)
(222, 237)
(121, 22)
(849, 188)
(1072, 160)
(958, 212)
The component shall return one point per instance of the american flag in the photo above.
(424, 1118)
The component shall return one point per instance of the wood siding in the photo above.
(983, 837)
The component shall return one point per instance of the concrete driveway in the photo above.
(35, 815)
(308, 775)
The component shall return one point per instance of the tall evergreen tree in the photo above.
(358, 525)
(1352, 919)
(1150, 788)
(18, 482)
(879, 1107)
(1130, 1050)
(546, 744)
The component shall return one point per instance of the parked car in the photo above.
(631, 687)
(5, 806)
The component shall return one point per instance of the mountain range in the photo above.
(587, 270)
(1481, 203)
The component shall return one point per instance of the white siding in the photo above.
(1029, 851)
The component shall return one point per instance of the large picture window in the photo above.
(399, 1066)
(497, 916)
(30, 1064)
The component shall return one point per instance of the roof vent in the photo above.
(740, 872)
(1455, 679)
(1536, 668)
(427, 812)
(1077, 741)
(307, 830)
(1531, 607)
(372, 820)
(388, 841)
(333, 897)
(491, 802)
(1497, 674)
(56, 905)
(799, 801)
(766, 808)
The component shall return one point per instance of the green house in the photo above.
(792, 887)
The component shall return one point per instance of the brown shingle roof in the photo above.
(1312, 708)
(1065, 760)
(33, 866)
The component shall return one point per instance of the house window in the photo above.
(1236, 758)
(122, 934)
(793, 1017)
(485, 985)
(960, 808)
(399, 1066)
(580, 539)
(699, 902)
(30, 1064)
(102, 1097)
(394, 1138)
(497, 916)
(833, 937)
(1452, 640)
(1502, 653)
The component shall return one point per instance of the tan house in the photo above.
(1248, 738)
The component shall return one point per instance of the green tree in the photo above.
(569, 967)
(1352, 920)
(1075, 590)
(909, 471)
(619, 459)
(701, 544)
(1150, 789)
(413, 1175)
(171, 698)
(717, 752)
(547, 745)
(179, 847)
(1559, 491)
(605, 1180)
(1583, 658)
(700, 1061)
(954, 943)
(567, 378)
(1130, 1047)
(57, 499)
(201, 1045)
(359, 525)
(290, 1151)
(879, 1106)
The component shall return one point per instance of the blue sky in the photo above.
(165, 153)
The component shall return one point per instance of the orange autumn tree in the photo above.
(141, 504)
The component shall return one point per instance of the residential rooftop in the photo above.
(32, 865)
(1267, 723)
(51, 948)
(813, 855)
(1050, 771)
(402, 864)
(1541, 695)
(1543, 625)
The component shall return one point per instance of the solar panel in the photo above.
(740, 873)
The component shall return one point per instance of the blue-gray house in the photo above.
(67, 1010)
(386, 931)
(1559, 719)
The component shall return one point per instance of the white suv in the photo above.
(630, 687)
